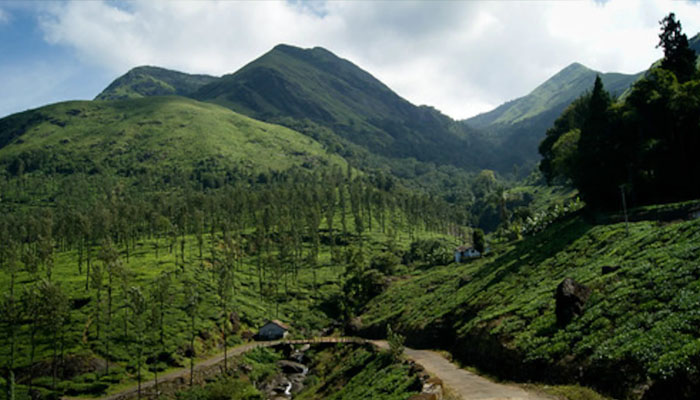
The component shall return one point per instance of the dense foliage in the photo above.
(347, 373)
(642, 145)
(117, 266)
(637, 336)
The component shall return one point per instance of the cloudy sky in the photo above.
(462, 57)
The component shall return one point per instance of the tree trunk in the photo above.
(192, 354)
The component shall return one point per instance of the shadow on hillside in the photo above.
(534, 250)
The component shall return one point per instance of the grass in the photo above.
(571, 392)
(301, 300)
(143, 136)
(153, 81)
(338, 372)
(346, 372)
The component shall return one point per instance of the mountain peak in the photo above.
(575, 66)
(147, 80)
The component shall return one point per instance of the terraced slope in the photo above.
(639, 332)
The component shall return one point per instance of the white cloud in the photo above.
(4, 16)
(461, 57)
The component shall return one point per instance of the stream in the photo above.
(291, 378)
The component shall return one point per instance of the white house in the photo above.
(464, 252)
(273, 330)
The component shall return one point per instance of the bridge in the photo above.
(460, 383)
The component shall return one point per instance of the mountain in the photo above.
(519, 125)
(694, 43)
(154, 136)
(557, 92)
(153, 81)
(289, 85)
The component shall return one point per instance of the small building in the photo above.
(273, 330)
(464, 252)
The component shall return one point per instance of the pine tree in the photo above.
(678, 56)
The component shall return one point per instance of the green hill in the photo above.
(638, 336)
(352, 114)
(155, 136)
(519, 125)
(153, 81)
(322, 95)
(290, 83)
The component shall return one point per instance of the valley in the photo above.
(550, 245)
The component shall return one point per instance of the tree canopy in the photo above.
(643, 144)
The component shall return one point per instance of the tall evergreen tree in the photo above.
(678, 56)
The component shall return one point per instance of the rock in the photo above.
(299, 357)
(246, 368)
(607, 269)
(291, 367)
(570, 298)
(354, 325)
(433, 386)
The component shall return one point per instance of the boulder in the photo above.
(291, 367)
(570, 298)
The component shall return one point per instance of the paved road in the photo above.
(460, 382)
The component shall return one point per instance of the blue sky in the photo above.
(461, 57)
(34, 72)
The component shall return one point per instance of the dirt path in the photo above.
(183, 374)
(461, 382)
(132, 391)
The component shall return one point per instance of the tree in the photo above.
(160, 299)
(10, 311)
(224, 279)
(34, 310)
(192, 301)
(600, 165)
(97, 278)
(137, 304)
(678, 56)
(111, 264)
(570, 120)
(55, 305)
(479, 240)
(396, 343)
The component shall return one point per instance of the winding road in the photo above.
(460, 383)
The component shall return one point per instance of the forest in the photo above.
(146, 279)
(640, 146)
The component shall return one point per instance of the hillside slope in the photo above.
(159, 136)
(638, 335)
(153, 81)
(694, 43)
(290, 84)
